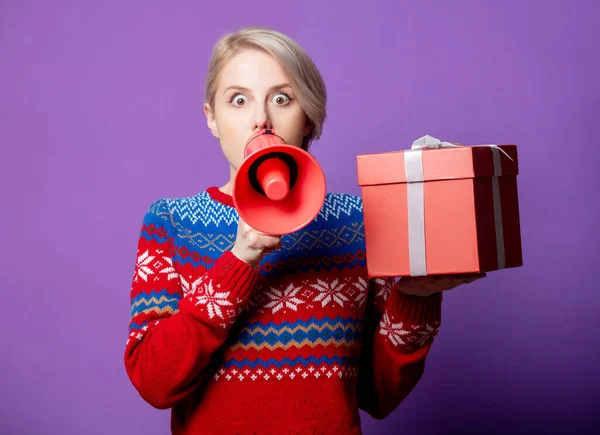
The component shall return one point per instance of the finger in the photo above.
(270, 247)
(268, 234)
(258, 241)
(270, 241)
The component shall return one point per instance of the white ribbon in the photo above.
(413, 166)
(498, 208)
(431, 142)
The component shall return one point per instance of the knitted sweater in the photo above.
(297, 344)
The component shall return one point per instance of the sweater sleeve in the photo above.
(399, 331)
(177, 323)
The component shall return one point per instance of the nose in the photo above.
(261, 119)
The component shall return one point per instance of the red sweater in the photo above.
(296, 345)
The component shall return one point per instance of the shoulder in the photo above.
(157, 211)
(190, 210)
(341, 206)
(170, 205)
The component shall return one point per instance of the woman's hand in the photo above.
(251, 245)
(428, 285)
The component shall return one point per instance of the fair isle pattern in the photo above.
(311, 295)
(318, 243)
(295, 321)
(338, 205)
(158, 303)
(283, 262)
(198, 223)
(414, 336)
(217, 303)
(297, 369)
(383, 287)
(304, 362)
(150, 267)
(208, 297)
(202, 209)
(214, 300)
(320, 238)
(314, 332)
(138, 334)
(195, 242)
(191, 285)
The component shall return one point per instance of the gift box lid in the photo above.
(445, 163)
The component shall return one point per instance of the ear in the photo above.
(307, 128)
(210, 120)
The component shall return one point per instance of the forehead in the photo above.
(252, 69)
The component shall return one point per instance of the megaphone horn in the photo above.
(279, 188)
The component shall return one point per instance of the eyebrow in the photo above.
(242, 88)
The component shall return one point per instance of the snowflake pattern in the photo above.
(398, 334)
(284, 298)
(213, 300)
(331, 292)
(147, 264)
(423, 336)
(347, 293)
(189, 287)
(394, 331)
(384, 288)
(363, 290)
(169, 270)
(142, 266)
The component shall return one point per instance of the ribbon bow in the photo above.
(431, 142)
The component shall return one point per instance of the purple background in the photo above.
(101, 113)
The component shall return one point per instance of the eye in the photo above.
(281, 99)
(238, 100)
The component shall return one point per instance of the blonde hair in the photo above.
(306, 79)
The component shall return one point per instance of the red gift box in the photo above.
(440, 208)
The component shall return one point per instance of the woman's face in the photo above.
(254, 92)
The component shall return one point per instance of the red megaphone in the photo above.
(279, 188)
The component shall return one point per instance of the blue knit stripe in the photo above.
(328, 334)
(202, 211)
(349, 321)
(133, 326)
(294, 362)
(207, 228)
(154, 301)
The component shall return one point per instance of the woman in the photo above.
(242, 332)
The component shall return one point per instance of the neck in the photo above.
(227, 188)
